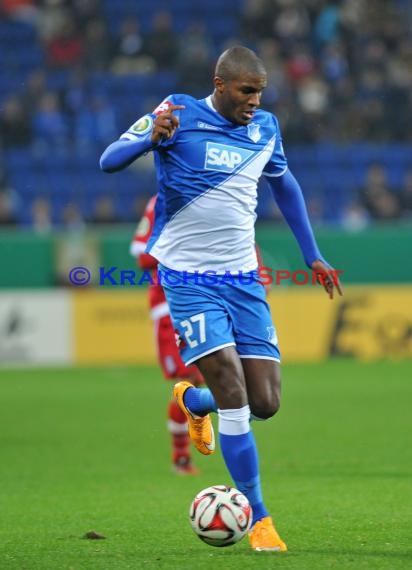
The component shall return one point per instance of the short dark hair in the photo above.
(237, 60)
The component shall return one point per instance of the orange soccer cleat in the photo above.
(263, 537)
(200, 428)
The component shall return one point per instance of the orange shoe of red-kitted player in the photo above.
(200, 428)
(264, 537)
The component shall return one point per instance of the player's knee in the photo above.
(266, 409)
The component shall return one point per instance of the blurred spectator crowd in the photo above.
(75, 73)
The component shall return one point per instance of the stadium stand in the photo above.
(339, 74)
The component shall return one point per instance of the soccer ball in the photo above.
(220, 515)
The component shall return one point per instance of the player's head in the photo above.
(240, 77)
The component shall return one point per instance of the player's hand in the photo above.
(165, 124)
(327, 277)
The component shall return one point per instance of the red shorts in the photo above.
(169, 358)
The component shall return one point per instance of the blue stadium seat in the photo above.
(15, 32)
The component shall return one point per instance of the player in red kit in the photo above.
(168, 355)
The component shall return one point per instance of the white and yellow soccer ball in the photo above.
(220, 515)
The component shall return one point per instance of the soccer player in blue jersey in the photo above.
(209, 155)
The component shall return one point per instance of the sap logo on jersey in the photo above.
(224, 157)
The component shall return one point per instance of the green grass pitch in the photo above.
(86, 449)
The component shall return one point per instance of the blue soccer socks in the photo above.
(239, 451)
(199, 401)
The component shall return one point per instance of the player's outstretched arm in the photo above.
(289, 197)
(123, 152)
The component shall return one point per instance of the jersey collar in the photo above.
(210, 104)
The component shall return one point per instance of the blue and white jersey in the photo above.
(208, 174)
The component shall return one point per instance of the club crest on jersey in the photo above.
(224, 157)
(253, 131)
(143, 125)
